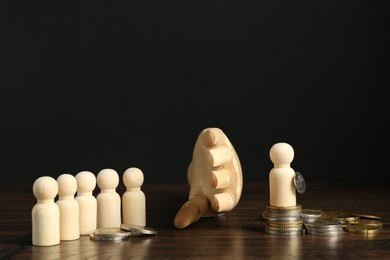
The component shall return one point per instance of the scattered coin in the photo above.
(92, 236)
(366, 216)
(110, 234)
(370, 222)
(299, 182)
(361, 229)
(139, 229)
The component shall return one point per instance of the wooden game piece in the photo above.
(214, 176)
(86, 183)
(69, 207)
(133, 199)
(281, 176)
(45, 213)
(108, 200)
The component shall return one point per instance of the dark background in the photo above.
(88, 85)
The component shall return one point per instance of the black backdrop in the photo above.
(88, 85)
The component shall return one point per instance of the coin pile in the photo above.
(121, 233)
(283, 220)
(335, 223)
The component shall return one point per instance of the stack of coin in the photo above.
(324, 227)
(364, 226)
(283, 220)
(121, 233)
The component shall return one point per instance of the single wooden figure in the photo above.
(45, 213)
(108, 200)
(86, 183)
(214, 176)
(133, 199)
(281, 176)
(69, 207)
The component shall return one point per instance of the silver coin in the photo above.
(322, 224)
(111, 232)
(139, 229)
(325, 233)
(283, 232)
(299, 182)
(93, 236)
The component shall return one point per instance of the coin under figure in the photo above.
(281, 176)
(214, 176)
(133, 199)
(86, 183)
(69, 207)
(108, 200)
(45, 213)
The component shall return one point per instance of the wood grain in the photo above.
(238, 234)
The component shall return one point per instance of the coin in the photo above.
(92, 236)
(324, 232)
(139, 229)
(284, 232)
(111, 232)
(299, 182)
(366, 216)
(285, 225)
(370, 222)
(275, 209)
(361, 229)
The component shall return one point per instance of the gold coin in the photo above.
(352, 219)
(284, 209)
(366, 216)
(285, 226)
(360, 229)
(370, 222)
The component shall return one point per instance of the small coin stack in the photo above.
(324, 227)
(121, 233)
(364, 226)
(283, 220)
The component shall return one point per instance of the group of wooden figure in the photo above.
(78, 212)
(214, 175)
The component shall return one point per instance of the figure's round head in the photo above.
(133, 177)
(211, 136)
(45, 188)
(67, 185)
(86, 181)
(107, 179)
(281, 153)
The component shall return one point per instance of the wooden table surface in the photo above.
(238, 234)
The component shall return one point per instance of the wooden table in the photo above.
(238, 234)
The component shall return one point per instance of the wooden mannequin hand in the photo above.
(214, 176)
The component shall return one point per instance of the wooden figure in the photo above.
(214, 176)
(133, 199)
(45, 213)
(281, 176)
(69, 207)
(108, 200)
(86, 183)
